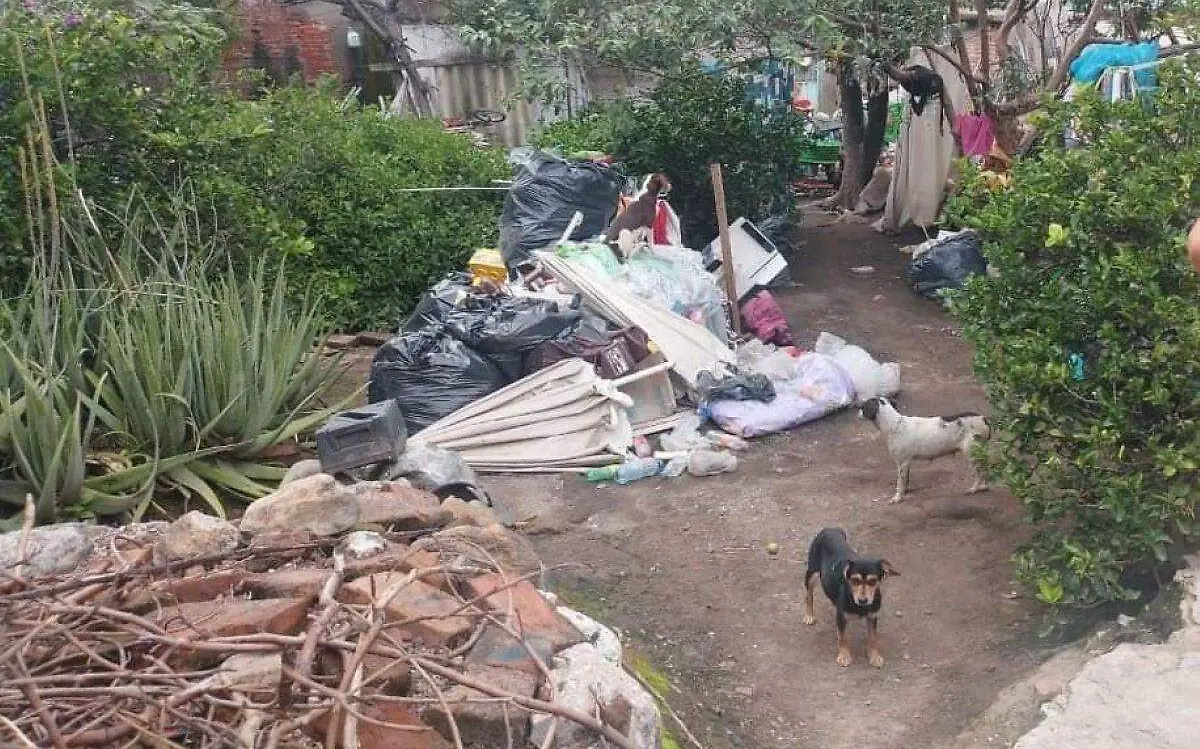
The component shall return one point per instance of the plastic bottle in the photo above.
(726, 441)
(638, 469)
(710, 463)
(602, 474)
(675, 466)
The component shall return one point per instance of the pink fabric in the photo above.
(762, 315)
(976, 133)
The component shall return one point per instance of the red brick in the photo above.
(295, 583)
(232, 617)
(371, 736)
(532, 616)
(415, 601)
(197, 588)
(399, 559)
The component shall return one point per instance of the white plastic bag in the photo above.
(765, 359)
(871, 379)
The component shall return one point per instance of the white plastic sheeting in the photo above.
(560, 418)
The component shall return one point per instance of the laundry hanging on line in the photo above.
(976, 133)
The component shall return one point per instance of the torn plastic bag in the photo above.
(747, 387)
(871, 379)
(946, 264)
(439, 471)
(430, 375)
(507, 329)
(778, 229)
(820, 387)
(438, 302)
(546, 194)
(765, 359)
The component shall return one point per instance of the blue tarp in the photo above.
(1096, 58)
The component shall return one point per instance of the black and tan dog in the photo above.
(852, 583)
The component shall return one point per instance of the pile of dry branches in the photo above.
(87, 660)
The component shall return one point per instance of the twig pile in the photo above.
(89, 660)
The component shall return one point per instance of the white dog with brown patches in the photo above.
(912, 438)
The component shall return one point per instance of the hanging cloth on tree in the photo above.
(976, 133)
(922, 84)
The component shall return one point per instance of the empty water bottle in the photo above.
(675, 466)
(601, 474)
(638, 469)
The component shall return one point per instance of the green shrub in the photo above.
(303, 162)
(1089, 339)
(689, 121)
(122, 76)
(300, 175)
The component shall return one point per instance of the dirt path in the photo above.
(679, 565)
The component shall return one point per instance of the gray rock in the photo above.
(301, 469)
(363, 544)
(196, 534)
(317, 504)
(1135, 696)
(603, 638)
(590, 683)
(51, 550)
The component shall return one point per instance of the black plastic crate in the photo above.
(362, 436)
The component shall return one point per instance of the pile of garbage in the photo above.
(368, 614)
(560, 352)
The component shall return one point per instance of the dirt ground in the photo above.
(679, 564)
(680, 567)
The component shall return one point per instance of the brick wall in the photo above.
(287, 36)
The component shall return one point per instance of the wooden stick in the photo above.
(718, 183)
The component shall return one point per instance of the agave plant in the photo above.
(134, 364)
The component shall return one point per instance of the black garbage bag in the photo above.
(546, 194)
(438, 302)
(747, 387)
(507, 329)
(779, 229)
(431, 374)
(946, 265)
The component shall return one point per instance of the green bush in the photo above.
(1089, 339)
(304, 162)
(123, 76)
(300, 175)
(689, 121)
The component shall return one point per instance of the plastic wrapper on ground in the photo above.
(871, 379)
(819, 388)
(430, 374)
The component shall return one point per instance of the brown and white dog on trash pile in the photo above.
(634, 226)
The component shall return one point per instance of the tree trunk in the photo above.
(862, 138)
